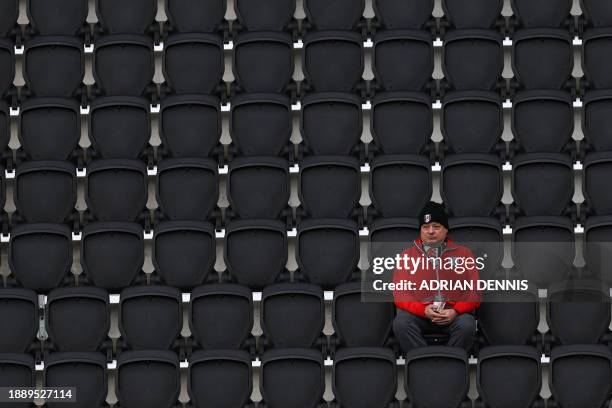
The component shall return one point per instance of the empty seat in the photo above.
(117, 17)
(255, 251)
(484, 236)
(150, 317)
(399, 14)
(119, 127)
(597, 12)
(292, 378)
(542, 183)
(116, 190)
(54, 66)
(472, 122)
(267, 15)
(112, 254)
(221, 316)
(327, 251)
(340, 15)
(49, 128)
(472, 14)
(364, 377)
(331, 123)
(8, 17)
(391, 176)
(357, 323)
(502, 365)
(184, 252)
(580, 376)
(147, 379)
(193, 63)
(597, 121)
(433, 368)
(86, 372)
(190, 125)
(16, 371)
(258, 187)
(261, 124)
(401, 122)
(187, 189)
(263, 61)
(542, 58)
(45, 191)
(596, 48)
(597, 248)
(123, 64)
(332, 61)
(77, 318)
(541, 14)
(18, 321)
(7, 66)
(5, 126)
(473, 59)
(595, 177)
(394, 230)
(292, 315)
(481, 175)
(58, 17)
(212, 373)
(189, 16)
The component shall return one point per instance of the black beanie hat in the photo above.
(433, 212)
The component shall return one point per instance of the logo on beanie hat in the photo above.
(427, 218)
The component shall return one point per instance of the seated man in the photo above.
(436, 311)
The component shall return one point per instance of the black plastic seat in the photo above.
(112, 254)
(18, 321)
(597, 121)
(339, 15)
(77, 318)
(595, 178)
(484, 237)
(221, 316)
(5, 126)
(7, 65)
(187, 189)
(49, 128)
(255, 251)
(394, 230)
(472, 14)
(597, 12)
(189, 16)
(541, 14)
(117, 17)
(8, 17)
(596, 48)
(17, 370)
(266, 15)
(184, 252)
(399, 14)
(58, 17)
(597, 248)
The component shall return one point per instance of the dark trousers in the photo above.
(409, 330)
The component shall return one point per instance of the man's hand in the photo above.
(431, 312)
(446, 317)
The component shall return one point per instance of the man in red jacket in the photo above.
(430, 307)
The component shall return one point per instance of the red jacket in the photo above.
(414, 301)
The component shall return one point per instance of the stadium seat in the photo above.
(499, 366)
(147, 379)
(542, 58)
(391, 176)
(57, 17)
(17, 370)
(329, 186)
(596, 120)
(394, 230)
(86, 372)
(255, 251)
(484, 237)
(263, 61)
(189, 16)
(193, 63)
(580, 376)
(472, 14)
(258, 187)
(5, 126)
(401, 122)
(112, 254)
(597, 250)
(292, 315)
(49, 128)
(595, 177)
(9, 12)
(364, 377)
(190, 125)
(541, 14)
(117, 17)
(471, 121)
(597, 12)
(542, 121)
(261, 124)
(77, 319)
(123, 65)
(331, 123)
(18, 322)
(54, 66)
(184, 252)
(481, 174)
(472, 59)
(187, 189)
(403, 60)
(542, 183)
(596, 47)
(212, 373)
(45, 191)
(434, 368)
(327, 251)
(116, 189)
(292, 378)
(340, 15)
(399, 14)
(119, 127)
(150, 317)
(7, 66)
(332, 61)
(221, 316)
(267, 15)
